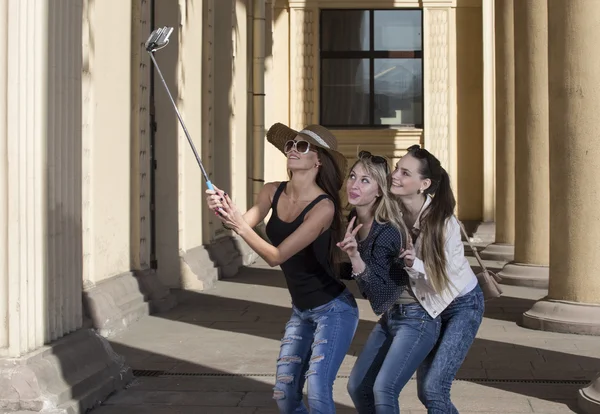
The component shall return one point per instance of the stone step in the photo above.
(75, 374)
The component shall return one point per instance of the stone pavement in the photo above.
(216, 353)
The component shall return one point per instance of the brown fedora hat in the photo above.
(316, 135)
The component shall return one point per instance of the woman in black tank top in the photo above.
(304, 226)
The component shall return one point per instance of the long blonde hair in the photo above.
(386, 208)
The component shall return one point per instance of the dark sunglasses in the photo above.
(301, 146)
(375, 159)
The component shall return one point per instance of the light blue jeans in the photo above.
(395, 348)
(312, 349)
(460, 323)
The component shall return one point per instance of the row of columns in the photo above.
(548, 94)
(523, 136)
(548, 158)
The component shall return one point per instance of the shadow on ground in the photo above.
(505, 308)
(499, 364)
(200, 389)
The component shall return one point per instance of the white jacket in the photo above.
(459, 271)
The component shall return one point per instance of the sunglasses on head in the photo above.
(375, 159)
(300, 146)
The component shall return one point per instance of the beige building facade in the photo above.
(102, 207)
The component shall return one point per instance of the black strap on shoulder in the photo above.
(276, 196)
(311, 205)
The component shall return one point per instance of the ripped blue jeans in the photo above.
(312, 349)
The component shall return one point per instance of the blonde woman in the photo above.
(441, 279)
(382, 368)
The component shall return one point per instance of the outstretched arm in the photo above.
(259, 211)
(256, 213)
(316, 221)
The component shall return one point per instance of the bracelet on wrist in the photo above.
(355, 274)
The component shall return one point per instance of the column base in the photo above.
(72, 375)
(498, 252)
(198, 271)
(155, 293)
(114, 304)
(229, 254)
(564, 317)
(486, 233)
(589, 397)
(521, 274)
(202, 266)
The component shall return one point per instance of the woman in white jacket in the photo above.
(441, 279)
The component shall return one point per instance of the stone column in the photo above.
(278, 85)
(24, 129)
(487, 229)
(573, 301)
(303, 68)
(44, 352)
(487, 11)
(502, 248)
(530, 267)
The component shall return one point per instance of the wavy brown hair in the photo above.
(433, 220)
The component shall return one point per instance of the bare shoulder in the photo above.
(324, 208)
(270, 188)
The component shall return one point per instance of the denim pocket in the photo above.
(412, 311)
(347, 298)
(473, 300)
(324, 308)
(345, 301)
(412, 319)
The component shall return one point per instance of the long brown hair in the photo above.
(433, 221)
(385, 209)
(330, 179)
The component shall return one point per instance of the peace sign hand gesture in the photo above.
(349, 244)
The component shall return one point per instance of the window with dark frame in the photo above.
(371, 68)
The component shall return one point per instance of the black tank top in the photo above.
(309, 274)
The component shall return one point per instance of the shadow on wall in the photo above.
(166, 150)
(77, 368)
(226, 121)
